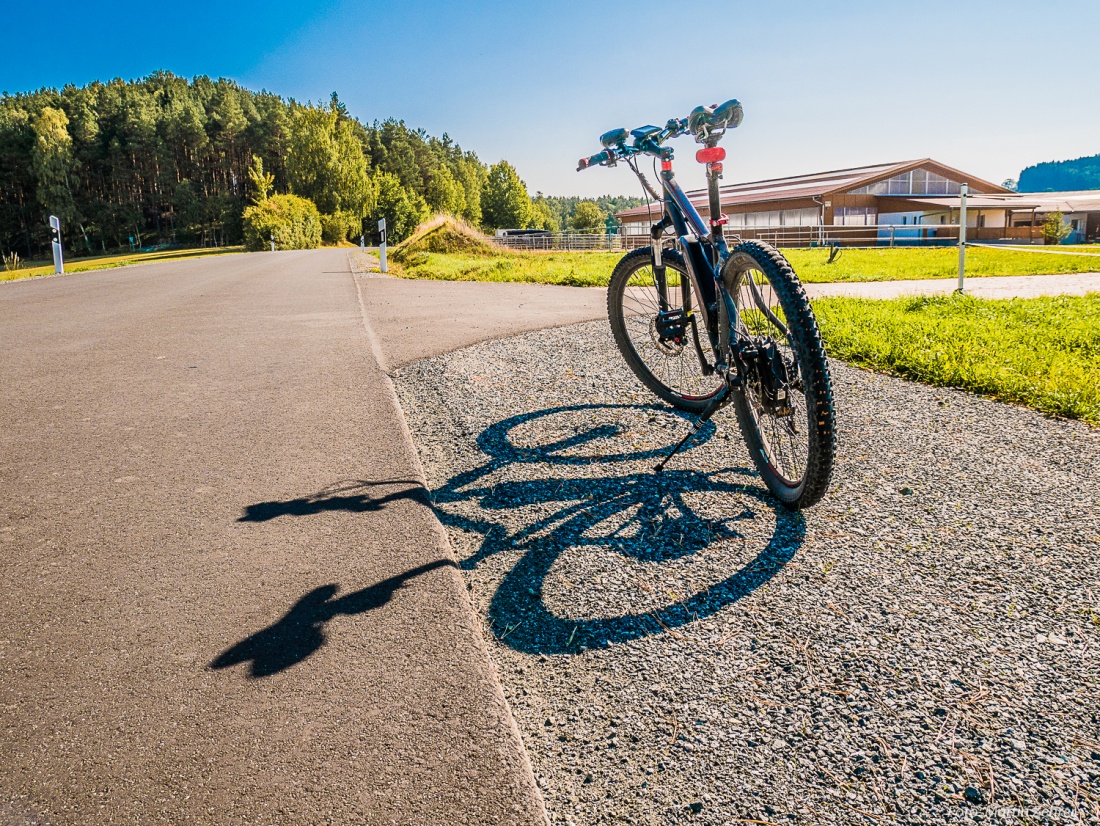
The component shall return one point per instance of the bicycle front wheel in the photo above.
(785, 410)
(668, 350)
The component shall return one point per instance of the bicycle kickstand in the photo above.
(708, 411)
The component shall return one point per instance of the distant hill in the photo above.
(1062, 176)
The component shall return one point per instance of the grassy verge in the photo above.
(1041, 352)
(34, 268)
(574, 269)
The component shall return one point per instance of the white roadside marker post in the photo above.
(55, 242)
(962, 236)
(273, 242)
(382, 246)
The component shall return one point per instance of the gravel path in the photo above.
(922, 647)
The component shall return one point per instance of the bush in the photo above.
(295, 223)
(1054, 229)
(340, 226)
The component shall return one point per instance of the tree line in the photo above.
(167, 160)
(1062, 176)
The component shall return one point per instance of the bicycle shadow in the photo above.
(641, 516)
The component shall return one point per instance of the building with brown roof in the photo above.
(894, 203)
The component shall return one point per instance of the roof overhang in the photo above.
(972, 202)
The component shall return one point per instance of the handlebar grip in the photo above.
(595, 160)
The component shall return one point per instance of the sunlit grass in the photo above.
(1041, 352)
(943, 262)
(35, 268)
(574, 269)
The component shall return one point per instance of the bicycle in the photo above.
(740, 330)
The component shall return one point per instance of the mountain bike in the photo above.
(706, 324)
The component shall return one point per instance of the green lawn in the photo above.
(943, 262)
(1041, 352)
(33, 268)
(593, 269)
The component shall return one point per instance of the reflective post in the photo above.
(962, 236)
(55, 242)
(273, 242)
(382, 246)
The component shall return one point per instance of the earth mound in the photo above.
(445, 234)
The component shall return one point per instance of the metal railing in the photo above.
(871, 235)
(563, 241)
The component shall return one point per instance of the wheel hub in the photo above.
(769, 373)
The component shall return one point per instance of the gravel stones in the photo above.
(921, 647)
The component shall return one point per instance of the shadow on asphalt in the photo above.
(640, 515)
(301, 631)
(350, 496)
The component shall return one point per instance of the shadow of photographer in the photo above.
(300, 632)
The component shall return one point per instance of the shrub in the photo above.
(1054, 229)
(340, 226)
(294, 221)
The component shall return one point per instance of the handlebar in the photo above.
(595, 160)
(706, 123)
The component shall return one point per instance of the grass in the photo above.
(35, 268)
(1040, 352)
(900, 264)
(574, 269)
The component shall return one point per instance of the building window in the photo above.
(810, 217)
(913, 182)
(855, 216)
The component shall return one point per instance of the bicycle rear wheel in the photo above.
(791, 437)
(671, 353)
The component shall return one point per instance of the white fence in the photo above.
(562, 241)
(870, 235)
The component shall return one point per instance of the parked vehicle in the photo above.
(704, 325)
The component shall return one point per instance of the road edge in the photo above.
(527, 779)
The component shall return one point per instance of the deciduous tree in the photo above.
(504, 198)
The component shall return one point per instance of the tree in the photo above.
(262, 182)
(445, 194)
(504, 199)
(542, 217)
(1010, 183)
(1055, 230)
(588, 217)
(294, 223)
(402, 209)
(325, 163)
(472, 175)
(54, 168)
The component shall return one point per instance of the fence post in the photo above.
(962, 236)
(891, 235)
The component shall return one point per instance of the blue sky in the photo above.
(988, 87)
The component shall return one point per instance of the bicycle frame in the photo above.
(704, 250)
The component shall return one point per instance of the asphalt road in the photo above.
(223, 598)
